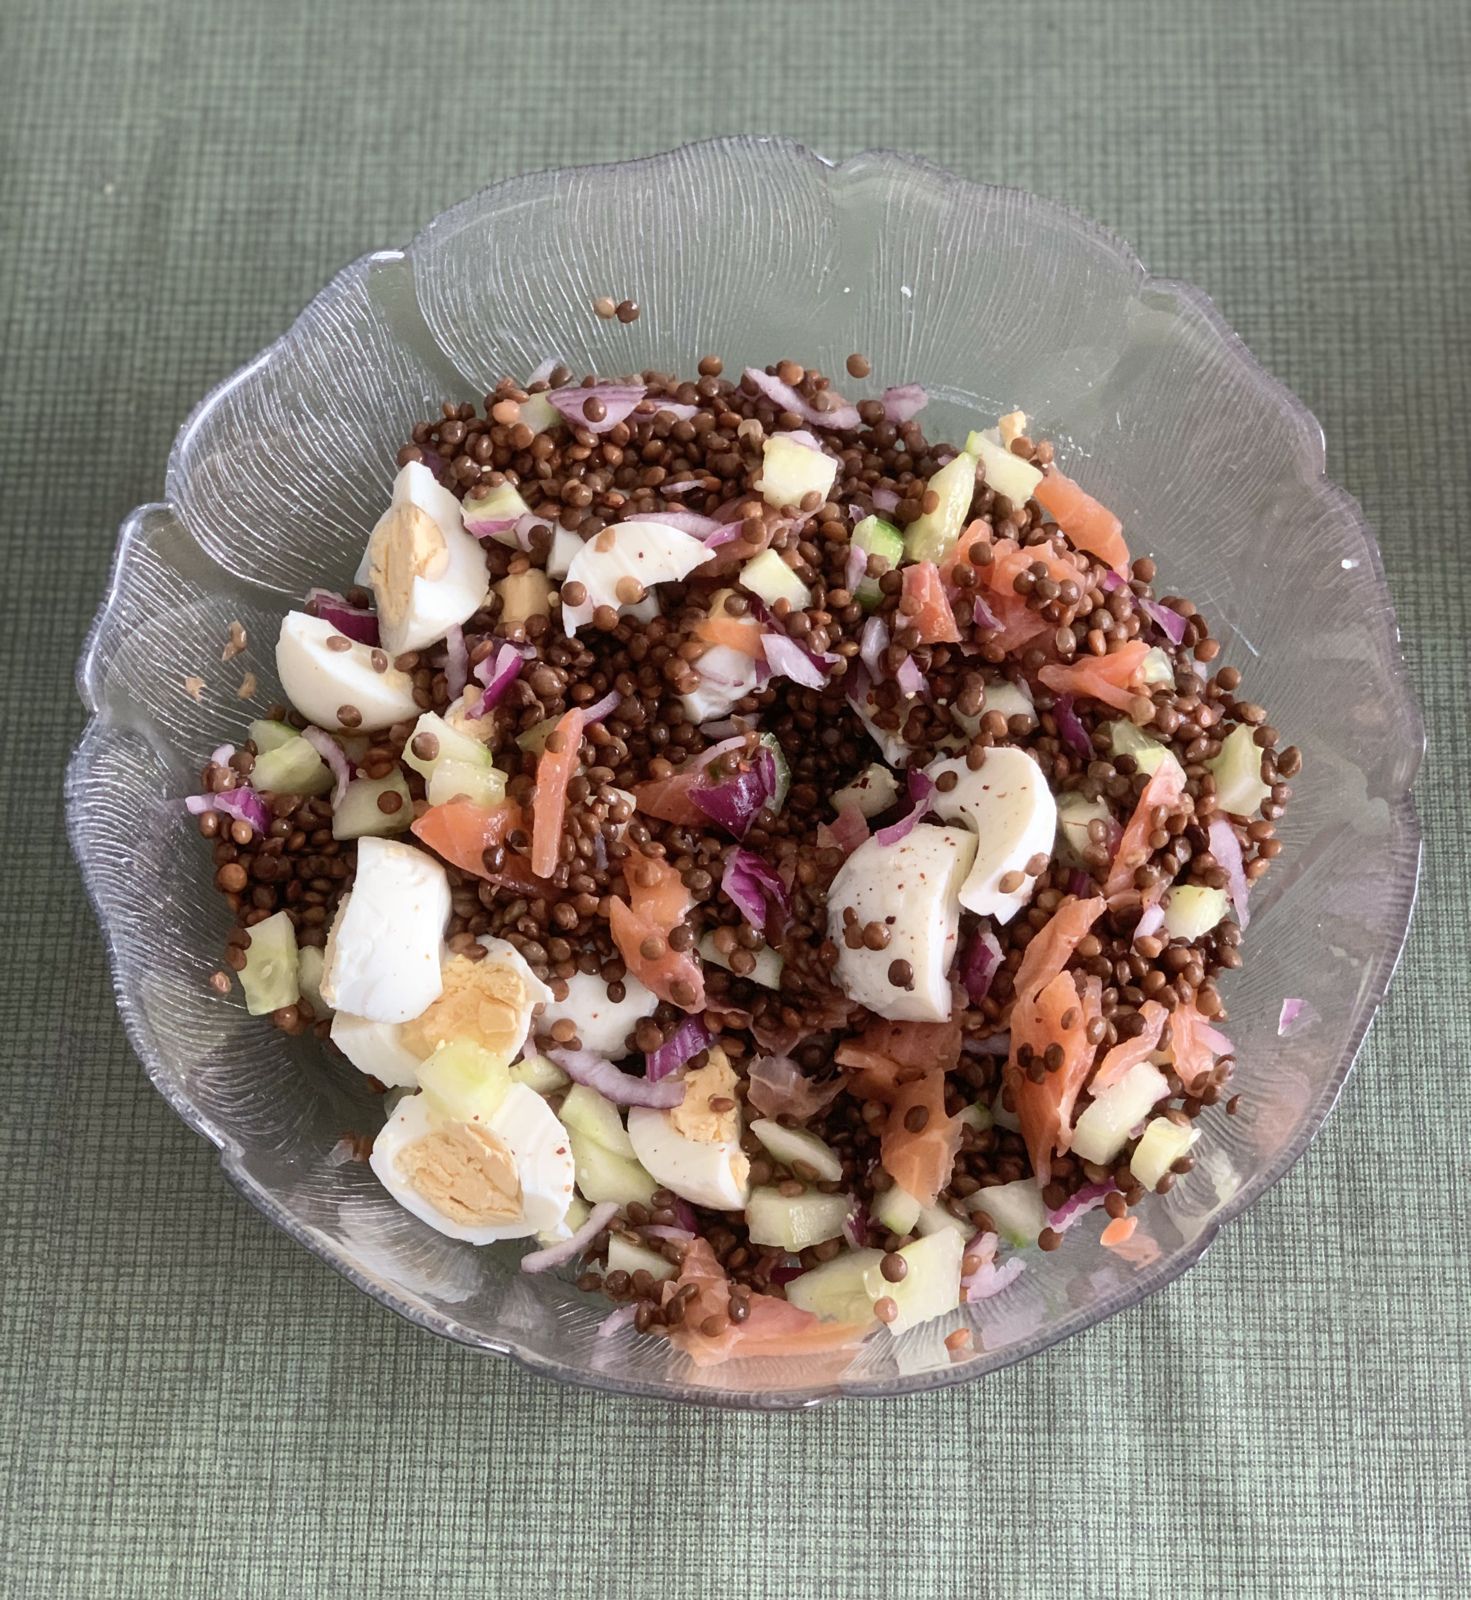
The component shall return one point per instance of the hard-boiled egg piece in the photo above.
(427, 574)
(874, 790)
(383, 951)
(622, 563)
(489, 1001)
(911, 889)
(1010, 806)
(378, 1049)
(603, 1024)
(727, 676)
(695, 1149)
(335, 682)
(505, 1176)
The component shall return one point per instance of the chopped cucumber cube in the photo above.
(1156, 667)
(292, 767)
(310, 960)
(933, 1218)
(459, 764)
(1010, 699)
(1127, 740)
(797, 1222)
(838, 1289)
(790, 471)
(1238, 773)
(1191, 911)
(932, 536)
(791, 1145)
(874, 790)
(534, 739)
(625, 1256)
(767, 971)
(267, 735)
(602, 1175)
(589, 1113)
(783, 770)
(359, 813)
(496, 505)
(977, 1116)
(931, 1285)
(896, 1209)
(536, 1072)
(577, 1210)
(539, 414)
(875, 537)
(769, 578)
(463, 1081)
(269, 976)
(1074, 813)
(1161, 1144)
(1015, 1208)
(1005, 473)
(1103, 1128)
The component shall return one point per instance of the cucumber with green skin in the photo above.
(767, 971)
(795, 1222)
(1126, 740)
(791, 1145)
(358, 814)
(267, 734)
(837, 1290)
(932, 535)
(291, 767)
(626, 1256)
(897, 1210)
(875, 537)
(602, 1175)
(1016, 1209)
(931, 1283)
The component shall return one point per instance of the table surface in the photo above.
(192, 1405)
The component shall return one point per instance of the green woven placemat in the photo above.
(193, 1407)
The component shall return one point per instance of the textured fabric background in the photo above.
(193, 1407)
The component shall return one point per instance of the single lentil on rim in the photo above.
(820, 610)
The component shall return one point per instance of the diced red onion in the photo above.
(220, 755)
(849, 829)
(1166, 618)
(616, 1321)
(490, 527)
(921, 792)
(857, 567)
(242, 804)
(994, 1044)
(618, 402)
(1079, 883)
(497, 673)
(909, 678)
(457, 662)
(601, 708)
(788, 1274)
(979, 963)
(735, 802)
(433, 462)
(687, 1040)
(985, 617)
(885, 499)
(778, 1087)
(843, 415)
(788, 659)
(557, 1255)
(679, 487)
(544, 371)
(597, 1072)
(1151, 921)
(527, 524)
(676, 408)
(750, 884)
(690, 522)
(872, 643)
(333, 754)
(352, 622)
(904, 401)
(1226, 848)
(1074, 735)
(660, 1230)
(684, 1214)
(1213, 1037)
(1088, 1198)
(855, 1226)
(989, 1279)
(1296, 1016)
(723, 533)
(1110, 581)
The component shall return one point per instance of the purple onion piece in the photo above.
(597, 1072)
(980, 962)
(921, 793)
(1074, 735)
(687, 1040)
(558, 1255)
(352, 622)
(333, 754)
(618, 402)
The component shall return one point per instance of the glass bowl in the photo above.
(756, 249)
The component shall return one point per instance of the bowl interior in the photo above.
(754, 249)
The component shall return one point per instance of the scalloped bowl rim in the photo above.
(1309, 433)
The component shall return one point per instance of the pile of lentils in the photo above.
(583, 481)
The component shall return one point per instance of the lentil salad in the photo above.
(778, 861)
